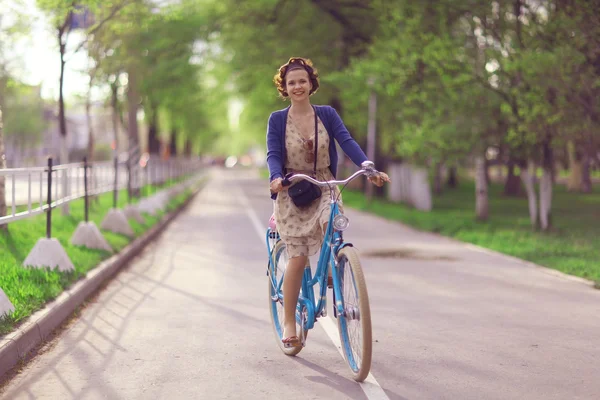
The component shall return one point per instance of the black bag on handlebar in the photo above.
(304, 192)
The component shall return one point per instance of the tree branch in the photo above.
(505, 96)
(97, 27)
(334, 12)
(67, 21)
(275, 15)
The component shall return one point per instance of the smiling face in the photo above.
(298, 85)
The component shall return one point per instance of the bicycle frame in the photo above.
(332, 242)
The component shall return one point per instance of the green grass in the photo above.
(29, 289)
(573, 245)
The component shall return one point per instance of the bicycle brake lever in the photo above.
(286, 180)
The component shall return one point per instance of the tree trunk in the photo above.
(187, 151)
(512, 186)
(134, 148)
(337, 105)
(62, 121)
(586, 178)
(574, 183)
(481, 190)
(437, 178)
(528, 178)
(88, 117)
(452, 181)
(115, 112)
(2, 166)
(173, 143)
(153, 139)
(546, 200)
(546, 187)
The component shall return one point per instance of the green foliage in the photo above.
(451, 78)
(255, 38)
(23, 114)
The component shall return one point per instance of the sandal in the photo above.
(292, 341)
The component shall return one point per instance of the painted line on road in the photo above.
(370, 386)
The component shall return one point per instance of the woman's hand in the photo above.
(379, 179)
(276, 185)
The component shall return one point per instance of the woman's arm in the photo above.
(343, 137)
(274, 155)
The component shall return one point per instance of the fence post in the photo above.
(85, 189)
(48, 252)
(129, 180)
(116, 188)
(116, 220)
(49, 201)
(87, 233)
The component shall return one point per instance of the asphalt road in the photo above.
(188, 319)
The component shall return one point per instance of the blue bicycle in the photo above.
(350, 297)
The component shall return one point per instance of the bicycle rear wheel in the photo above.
(275, 284)
(355, 323)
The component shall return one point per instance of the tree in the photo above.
(66, 17)
(10, 30)
(286, 28)
(2, 166)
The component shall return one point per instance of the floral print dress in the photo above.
(301, 229)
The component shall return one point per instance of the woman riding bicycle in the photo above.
(291, 138)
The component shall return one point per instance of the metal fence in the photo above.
(31, 191)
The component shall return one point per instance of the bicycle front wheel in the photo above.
(355, 323)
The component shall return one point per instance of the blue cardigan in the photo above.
(276, 153)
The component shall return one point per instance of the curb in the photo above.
(16, 345)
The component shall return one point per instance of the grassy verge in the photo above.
(29, 289)
(571, 247)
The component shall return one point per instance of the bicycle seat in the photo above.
(272, 223)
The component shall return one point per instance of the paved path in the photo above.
(188, 319)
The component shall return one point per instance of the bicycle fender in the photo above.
(341, 247)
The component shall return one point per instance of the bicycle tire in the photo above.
(276, 307)
(358, 352)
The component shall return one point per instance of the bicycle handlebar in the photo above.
(368, 168)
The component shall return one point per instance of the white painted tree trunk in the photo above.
(528, 179)
(420, 190)
(546, 199)
(132, 110)
(481, 190)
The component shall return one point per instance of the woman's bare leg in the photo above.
(292, 281)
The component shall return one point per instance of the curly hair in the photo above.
(296, 63)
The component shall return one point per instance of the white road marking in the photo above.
(370, 386)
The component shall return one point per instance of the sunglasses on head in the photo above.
(309, 156)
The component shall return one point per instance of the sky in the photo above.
(35, 60)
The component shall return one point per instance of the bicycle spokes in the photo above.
(355, 320)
